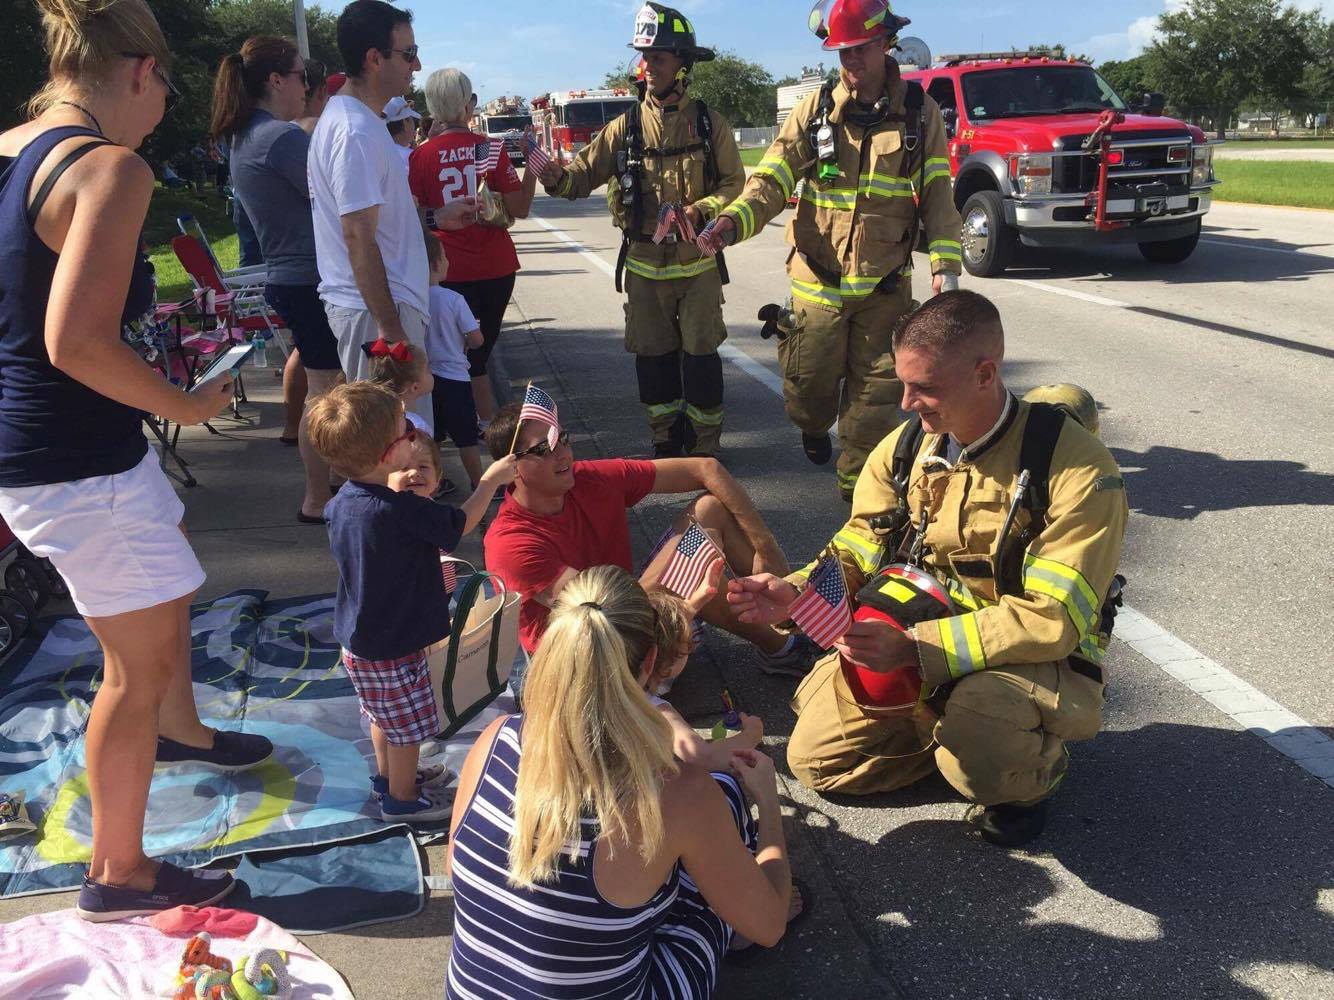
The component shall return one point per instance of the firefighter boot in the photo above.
(1009, 824)
(702, 376)
(818, 447)
(660, 392)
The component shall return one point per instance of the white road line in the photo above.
(1069, 293)
(1252, 709)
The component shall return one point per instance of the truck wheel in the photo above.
(26, 578)
(1171, 251)
(988, 240)
(15, 618)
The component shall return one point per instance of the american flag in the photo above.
(538, 159)
(537, 405)
(666, 219)
(822, 610)
(448, 571)
(486, 157)
(702, 241)
(690, 563)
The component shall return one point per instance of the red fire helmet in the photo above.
(844, 24)
(904, 596)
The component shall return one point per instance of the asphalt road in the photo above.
(1186, 857)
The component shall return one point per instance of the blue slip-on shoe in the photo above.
(431, 774)
(230, 751)
(173, 887)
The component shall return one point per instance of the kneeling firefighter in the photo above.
(668, 149)
(982, 549)
(871, 151)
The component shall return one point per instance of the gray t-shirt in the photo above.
(269, 178)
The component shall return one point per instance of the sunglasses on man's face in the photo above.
(542, 449)
(409, 54)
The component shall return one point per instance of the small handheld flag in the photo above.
(822, 610)
(690, 562)
(539, 406)
(538, 158)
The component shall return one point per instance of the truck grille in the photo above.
(1144, 164)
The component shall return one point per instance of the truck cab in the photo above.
(1031, 166)
(567, 121)
(506, 119)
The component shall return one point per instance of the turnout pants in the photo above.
(674, 329)
(848, 348)
(997, 735)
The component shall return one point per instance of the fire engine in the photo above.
(567, 121)
(506, 119)
(1044, 153)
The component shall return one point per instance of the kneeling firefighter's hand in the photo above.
(723, 233)
(878, 646)
(761, 600)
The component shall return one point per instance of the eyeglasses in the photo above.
(409, 54)
(173, 95)
(305, 82)
(542, 449)
(409, 435)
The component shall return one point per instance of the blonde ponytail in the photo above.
(84, 38)
(593, 744)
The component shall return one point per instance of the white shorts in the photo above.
(115, 539)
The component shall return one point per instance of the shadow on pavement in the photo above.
(1212, 263)
(1181, 484)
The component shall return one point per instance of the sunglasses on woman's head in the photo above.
(542, 449)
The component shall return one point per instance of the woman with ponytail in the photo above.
(78, 482)
(581, 852)
(258, 94)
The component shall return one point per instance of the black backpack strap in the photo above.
(66, 161)
(905, 454)
(914, 129)
(1041, 433)
(704, 126)
(630, 163)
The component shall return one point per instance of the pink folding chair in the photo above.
(243, 311)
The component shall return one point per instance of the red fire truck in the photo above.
(567, 121)
(1044, 153)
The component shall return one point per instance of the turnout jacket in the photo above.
(677, 177)
(1066, 570)
(850, 232)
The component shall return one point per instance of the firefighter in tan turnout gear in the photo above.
(669, 149)
(1017, 513)
(871, 150)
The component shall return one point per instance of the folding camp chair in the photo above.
(241, 310)
(237, 278)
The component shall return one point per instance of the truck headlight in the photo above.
(1202, 166)
(1031, 173)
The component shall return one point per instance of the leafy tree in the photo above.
(1214, 54)
(239, 19)
(1318, 82)
(787, 81)
(1129, 77)
(23, 68)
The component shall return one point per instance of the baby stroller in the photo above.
(29, 583)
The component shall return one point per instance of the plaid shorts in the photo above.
(396, 695)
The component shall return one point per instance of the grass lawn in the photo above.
(173, 284)
(1301, 183)
(1324, 142)
(752, 157)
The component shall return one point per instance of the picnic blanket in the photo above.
(267, 667)
(58, 955)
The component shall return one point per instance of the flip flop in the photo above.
(752, 951)
(305, 518)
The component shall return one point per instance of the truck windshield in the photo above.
(1020, 91)
(594, 114)
(507, 123)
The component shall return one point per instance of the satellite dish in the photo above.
(912, 52)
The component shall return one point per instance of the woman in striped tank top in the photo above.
(588, 863)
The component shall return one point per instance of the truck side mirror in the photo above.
(950, 116)
(1153, 103)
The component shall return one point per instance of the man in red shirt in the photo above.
(563, 516)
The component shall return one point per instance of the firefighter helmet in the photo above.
(666, 29)
(903, 596)
(844, 24)
(1076, 401)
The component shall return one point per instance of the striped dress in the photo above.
(563, 941)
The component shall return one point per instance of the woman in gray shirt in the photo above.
(258, 93)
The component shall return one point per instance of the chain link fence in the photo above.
(748, 138)
(1306, 120)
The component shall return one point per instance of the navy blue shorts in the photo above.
(303, 314)
(455, 412)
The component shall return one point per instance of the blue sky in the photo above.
(529, 47)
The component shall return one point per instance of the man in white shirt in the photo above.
(369, 241)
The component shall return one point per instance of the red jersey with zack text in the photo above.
(442, 170)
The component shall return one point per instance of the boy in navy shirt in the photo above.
(391, 602)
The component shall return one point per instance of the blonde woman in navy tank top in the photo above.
(78, 482)
(586, 862)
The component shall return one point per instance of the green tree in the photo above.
(1130, 78)
(239, 19)
(1214, 54)
(24, 67)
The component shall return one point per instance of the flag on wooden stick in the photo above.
(690, 563)
(822, 611)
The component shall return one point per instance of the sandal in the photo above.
(749, 952)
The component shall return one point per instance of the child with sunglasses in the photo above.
(391, 602)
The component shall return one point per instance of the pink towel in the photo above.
(59, 955)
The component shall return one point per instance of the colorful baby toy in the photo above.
(206, 976)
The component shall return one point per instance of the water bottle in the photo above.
(260, 357)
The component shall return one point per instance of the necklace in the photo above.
(91, 117)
